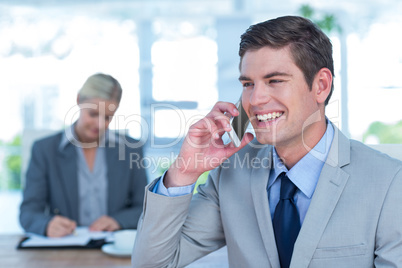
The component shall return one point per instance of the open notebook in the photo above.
(82, 238)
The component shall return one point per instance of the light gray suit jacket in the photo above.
(52, 183)
(354, 219)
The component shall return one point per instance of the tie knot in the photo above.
(288, 189)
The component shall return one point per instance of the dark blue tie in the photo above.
(286, 221)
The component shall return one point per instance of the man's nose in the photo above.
(260, 94)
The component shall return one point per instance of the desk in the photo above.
(38, 258)
(10, 257)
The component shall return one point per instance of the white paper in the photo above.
(81, 237)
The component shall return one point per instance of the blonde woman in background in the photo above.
(82, 175)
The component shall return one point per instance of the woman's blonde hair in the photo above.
(101, 86)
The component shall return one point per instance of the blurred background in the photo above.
(174, 60)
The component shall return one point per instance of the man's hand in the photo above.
(203, 147)
(105, 223)
(60, 226)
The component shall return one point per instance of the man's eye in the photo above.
(275, 81)
(249, 84)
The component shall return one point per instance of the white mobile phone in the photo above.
(239, 125)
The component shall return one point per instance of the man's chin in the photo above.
(263, 139)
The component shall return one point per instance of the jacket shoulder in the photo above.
(49, 140)
(372, 164)
(366, 153)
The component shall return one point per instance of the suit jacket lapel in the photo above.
(114, 172)
(67, 166)
(328, 191)
(259, 181)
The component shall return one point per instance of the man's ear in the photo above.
(78, 98)
(322, 84)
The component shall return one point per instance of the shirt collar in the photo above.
(70, 136)
(306, 172)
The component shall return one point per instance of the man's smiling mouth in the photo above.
(269, 116)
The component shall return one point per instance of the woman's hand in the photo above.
(105, 223)
(60, 226)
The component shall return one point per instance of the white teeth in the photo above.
(269, 116)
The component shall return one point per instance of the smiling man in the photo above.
(321, 201)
